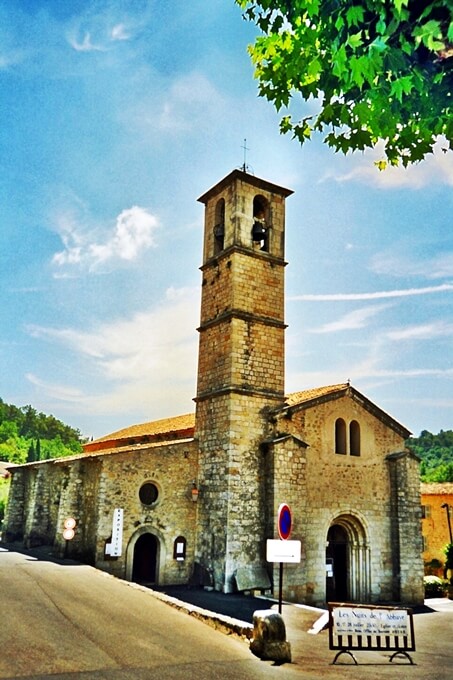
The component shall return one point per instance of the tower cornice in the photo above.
(244, 316)
(249, 179)
(258, 254)
(238, 389)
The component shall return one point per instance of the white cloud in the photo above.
(146, 362)
(104, 38)
(379, 295)
(435, 169)
(85, 45)
(426, 331)
(120, 32)
(11, 58)
(191, 102)
(353, 320)
(97, 27)
(55, 391)
(438, 266)
(359, 374)
(132, 234)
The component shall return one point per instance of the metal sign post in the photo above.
(284, 521)
(283, 550)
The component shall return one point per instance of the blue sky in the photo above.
(115, 117)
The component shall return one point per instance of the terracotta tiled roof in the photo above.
(187, 421)
(183, 426)
(314, 393)
(152, 428)
(309, 398)
(437, 488)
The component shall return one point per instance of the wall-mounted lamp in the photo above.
(194, 491)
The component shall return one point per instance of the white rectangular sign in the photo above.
(282, 551)
(117, 533)
(363, 621)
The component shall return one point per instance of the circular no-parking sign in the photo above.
(284, 521)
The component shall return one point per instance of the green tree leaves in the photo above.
(29, 436)
(377, 69)
(436, 452)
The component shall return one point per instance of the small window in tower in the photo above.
(219, 227)
(354, 438)
(260, 229)
(340, 436)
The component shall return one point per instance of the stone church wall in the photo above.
(324, 487)
(172, 468)
(287, 483)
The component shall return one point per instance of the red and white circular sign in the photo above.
(284, 521)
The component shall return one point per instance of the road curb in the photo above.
(225, 624)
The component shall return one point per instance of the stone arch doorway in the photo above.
(347, 563)
(146, 559)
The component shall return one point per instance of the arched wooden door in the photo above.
(347, 561)
(146, 553)
(337, 565)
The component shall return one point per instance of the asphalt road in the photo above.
(61, 621)
(72, 621)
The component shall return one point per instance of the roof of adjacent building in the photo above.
(436, 488)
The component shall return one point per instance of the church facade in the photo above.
(193, 499)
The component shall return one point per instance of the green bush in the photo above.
(448, 569)
(4, 488)
(434, 586)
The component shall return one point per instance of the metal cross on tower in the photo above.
(245, 147)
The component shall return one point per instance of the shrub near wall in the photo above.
(4, 488)
(434, 586)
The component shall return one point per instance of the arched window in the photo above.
(354, 438)
(219, 228)
(260, 230)
(340, 436)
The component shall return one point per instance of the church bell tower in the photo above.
(240, 368)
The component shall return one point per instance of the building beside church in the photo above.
(192, 499)
(437, 524)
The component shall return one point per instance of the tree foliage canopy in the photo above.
(373, 70)
(27, 436)
(436, 452)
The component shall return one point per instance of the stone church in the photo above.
(193, 498)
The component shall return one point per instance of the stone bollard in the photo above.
(269, 637)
